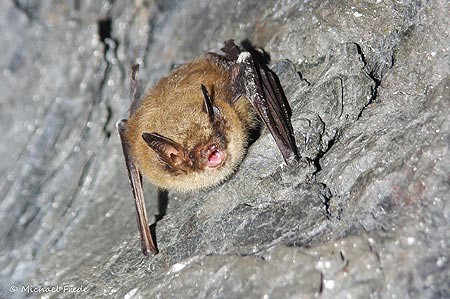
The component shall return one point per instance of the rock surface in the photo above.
(369, 86)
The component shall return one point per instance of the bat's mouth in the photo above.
(216, 158)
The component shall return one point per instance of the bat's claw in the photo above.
(305, 161)
(292, 161)
(149, 251)
(298, 161)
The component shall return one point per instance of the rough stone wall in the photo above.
(368, 83)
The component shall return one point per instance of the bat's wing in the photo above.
(147, 244)
(258, 84)
(134, 89)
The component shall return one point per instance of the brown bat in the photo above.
(192, 129)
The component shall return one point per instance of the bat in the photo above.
(192, 129)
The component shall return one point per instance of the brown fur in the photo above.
(174, 109)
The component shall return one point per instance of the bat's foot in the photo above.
(302, 162)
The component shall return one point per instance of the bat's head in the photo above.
(204, 148)
(177, 158)
(208, 151)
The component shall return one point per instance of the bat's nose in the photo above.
(216, 158)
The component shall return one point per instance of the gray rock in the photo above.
(368, 84)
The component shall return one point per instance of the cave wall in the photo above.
(368, 84)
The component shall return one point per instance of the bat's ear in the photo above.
(168, 151)
(208, 107)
